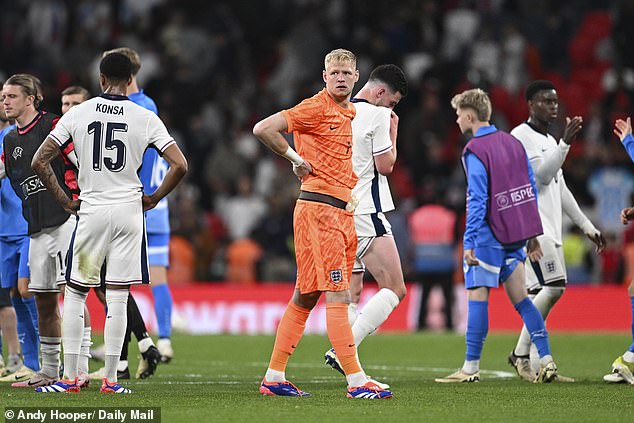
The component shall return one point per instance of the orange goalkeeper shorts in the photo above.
(325, 247)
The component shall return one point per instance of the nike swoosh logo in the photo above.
(350, 345)
(31, 383)
(332, 128)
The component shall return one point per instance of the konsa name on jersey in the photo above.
(109, 108)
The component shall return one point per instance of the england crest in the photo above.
(336, 275)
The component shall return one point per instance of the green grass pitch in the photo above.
(216, 378)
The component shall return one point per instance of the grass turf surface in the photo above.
(216, 379)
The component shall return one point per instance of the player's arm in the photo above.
(545, 168)
(41, 164)
(384, 162)
(268, 131)
(623, 130)
(572, 209)
(477, 197)
(3, 170)
(176, 171)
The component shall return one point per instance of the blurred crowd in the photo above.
(217, 67)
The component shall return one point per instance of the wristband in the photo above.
(293, 157)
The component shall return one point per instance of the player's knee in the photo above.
(555, 292)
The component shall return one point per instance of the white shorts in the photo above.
(550, 268)
(113, 233)
(368, 227)
(47, 256)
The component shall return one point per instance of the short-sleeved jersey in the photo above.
(12, 222)
(370, 137)
(39, 207)
(110, 134)
(322, 131)
(152, 173)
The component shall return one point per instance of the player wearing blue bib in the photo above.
(495, 164)
(157, 224)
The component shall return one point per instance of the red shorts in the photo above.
(325, 247)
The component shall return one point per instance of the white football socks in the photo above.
(50, 348)
(114, 331)
(84, 351)
(628, 356)
(356, 379)
(544, 302)
(274, 376)
(374, 313)
(72, 330)
(471, 366)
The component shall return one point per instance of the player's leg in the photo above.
(384, 263)
(84, 350)
(127, 264)
(356, 288)
(513, 276)
(150, 354)
(478, 280)
(86, 249)
(8, 327)
(546, 281)
(15, 273)
(337, 250)
(291, 326)
(47, 252)
(114, 331)
(289, 333)
(158, 255)
(623, 366)
(27, 315)
(477, 330)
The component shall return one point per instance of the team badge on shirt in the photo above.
(550, 266)
(336, 275)
(17, 152)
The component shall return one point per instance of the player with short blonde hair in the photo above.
(325, 238)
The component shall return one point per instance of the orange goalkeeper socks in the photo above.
(289, 332)
(341, 338)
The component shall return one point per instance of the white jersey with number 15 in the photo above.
(110, 134)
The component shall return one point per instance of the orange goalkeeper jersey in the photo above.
(322, 131)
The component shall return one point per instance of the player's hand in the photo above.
(72, 206)
(393, 126)
(627, 214)
(599, 241)
(573, 126)
(148, 202)
(534, 250)
(470, 258)
(622, 128)
(302, 170)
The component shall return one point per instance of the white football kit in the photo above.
(553, 197)
(370, 137)
(110, 134)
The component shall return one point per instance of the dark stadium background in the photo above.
(217, 67)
